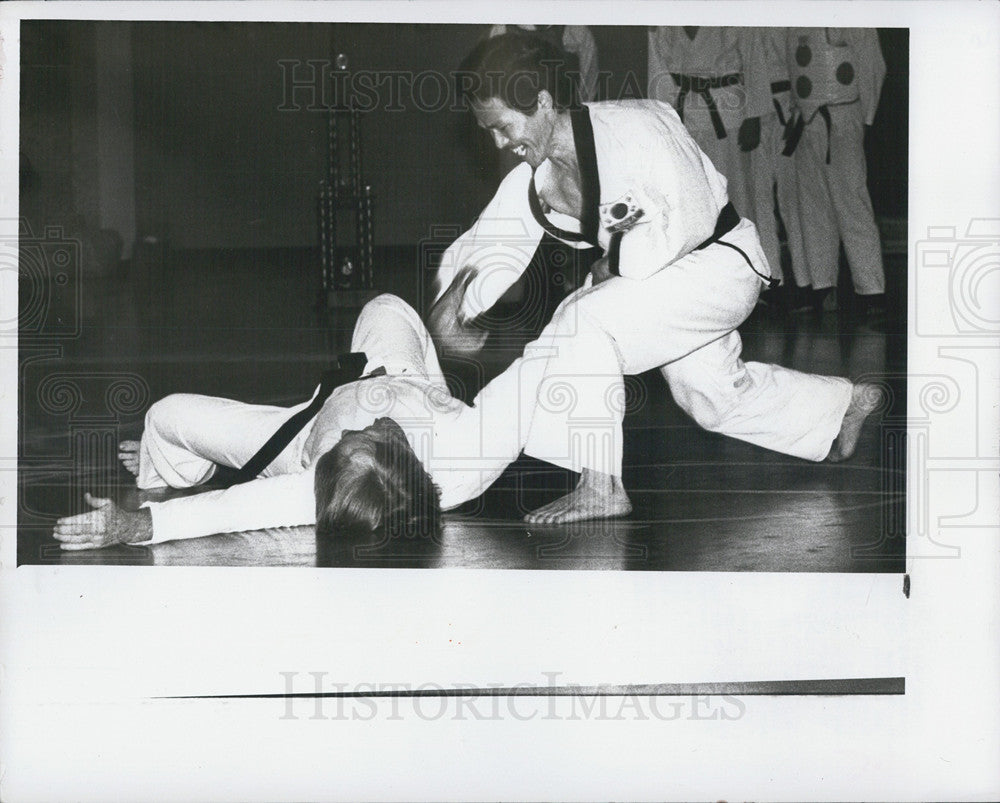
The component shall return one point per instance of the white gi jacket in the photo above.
(714, 52)
(645, 158)
(649, 190)
(855, 50)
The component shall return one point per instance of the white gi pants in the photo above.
(767, 169)
(187, 435)
(683, 320)
(834, 202)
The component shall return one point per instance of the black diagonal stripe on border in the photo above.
(817, 687)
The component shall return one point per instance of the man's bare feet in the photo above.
(128, 453)
(596, 496)
(865, 399)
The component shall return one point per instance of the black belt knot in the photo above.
(700, 85)
(776, 88)
(796, 125)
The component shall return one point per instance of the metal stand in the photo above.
(347, 263)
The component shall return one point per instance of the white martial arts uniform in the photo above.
(672, 307)
(769, 169)
(463, 448)
(713, 53)
(834, 202)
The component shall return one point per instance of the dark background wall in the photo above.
(177, 130)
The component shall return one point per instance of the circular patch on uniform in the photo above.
(619, 210)
(845, 72)
(803, 55)
(803, 86)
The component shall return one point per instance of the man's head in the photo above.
(372, 479)
(517, 85)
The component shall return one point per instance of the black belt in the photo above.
(776, 87)
(727, 221)
(349, 369)
(700, 85)
(795, 127)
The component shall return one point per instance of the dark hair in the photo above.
(514, 67)
(384, 486)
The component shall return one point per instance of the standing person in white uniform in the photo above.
(681, 270)
(772, 173)
(716, 79)
(837, 76)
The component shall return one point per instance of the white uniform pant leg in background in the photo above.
(852, 204)
(761, 167)
(787, 187)
(694, 306)
(835, 204)
(389, 331)
(187, 435)
(767, 405)
(820, 233)
(728, 159)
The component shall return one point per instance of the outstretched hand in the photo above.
(448, 324)
(105, 525)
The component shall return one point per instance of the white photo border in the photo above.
(89, 650)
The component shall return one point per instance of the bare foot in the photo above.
(596, 496)
(128, 453)
(865, 399)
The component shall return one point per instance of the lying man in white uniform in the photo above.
(385, 451)
(682, 270)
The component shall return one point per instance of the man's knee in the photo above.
(375, 311)
(164, 413)
(385, 301)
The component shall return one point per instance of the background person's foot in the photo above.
(873, 309)
(825, 299)
(799, 298)
(866, 398)
(128, 453)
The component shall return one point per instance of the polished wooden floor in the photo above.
(242, 325)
